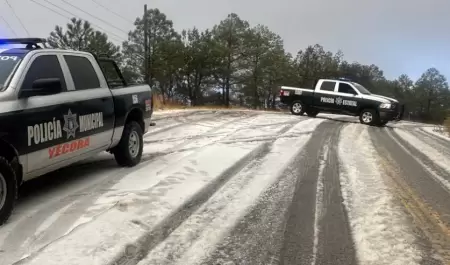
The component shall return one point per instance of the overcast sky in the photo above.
(400, 36)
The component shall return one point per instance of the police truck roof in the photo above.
(345, 79)
(18, 51)
(22, 41)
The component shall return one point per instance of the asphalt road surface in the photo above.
(244, 187)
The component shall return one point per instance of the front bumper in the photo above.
(394, 114)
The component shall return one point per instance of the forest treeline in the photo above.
(235, 63)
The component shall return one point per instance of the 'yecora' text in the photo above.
(69, 147)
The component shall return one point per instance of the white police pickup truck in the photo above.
(342, 97)
(58, 107)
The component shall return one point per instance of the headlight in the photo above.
(385, 106)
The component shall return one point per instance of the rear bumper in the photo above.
(285, 100)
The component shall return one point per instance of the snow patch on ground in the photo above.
(436, 156)
(378, 224)
(158, 112)
(440, 133)
(197, 237)
(99, 240)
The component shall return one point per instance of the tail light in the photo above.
(281, 92)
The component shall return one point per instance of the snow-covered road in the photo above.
(245, 187)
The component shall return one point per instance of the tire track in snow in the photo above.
(209, 133)
(415, 192)
(162, 231)
(79, 201)
(159, 233)
(381, 229)
(334, 239)
(157, 116)
(25, 230)
(209, 117)
(440, 136)
(432, 140)
(316, 229)
(258, 237)
(437, 164)
(210, 224)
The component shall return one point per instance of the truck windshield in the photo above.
(362, 89)
(8, 64)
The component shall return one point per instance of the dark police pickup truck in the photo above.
(58, 107)
(342, 97)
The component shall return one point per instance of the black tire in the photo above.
(122, 152)
(369, 117)
(312, 113)
(297, 108)
(8, 190)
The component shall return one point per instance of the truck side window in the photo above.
(328, 86)
(44, 66)
(346, 88)
(111, 75)
(82, 71)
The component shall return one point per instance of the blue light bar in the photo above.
(26, 41)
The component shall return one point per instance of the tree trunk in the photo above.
(274, 96)
(224, 102)
(227, 82)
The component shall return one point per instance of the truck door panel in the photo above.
(44, 131)
(347, 98)
(95, 113)
(325, 95)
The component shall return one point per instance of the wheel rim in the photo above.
(367, 117)
(297, 107)
(2, 191)
(133, 144)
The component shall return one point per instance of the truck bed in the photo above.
(289, 94)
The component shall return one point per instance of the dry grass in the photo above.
(169, 104)
(174, 105)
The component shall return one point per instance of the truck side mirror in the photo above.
(42, 87)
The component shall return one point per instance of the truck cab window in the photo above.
(112, 75)
(328, 86)
(82, 71)
(346, 88)
(44, 66)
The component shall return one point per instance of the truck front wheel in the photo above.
(8, 190)
(297, 108)
(369, 117)
(128, 152)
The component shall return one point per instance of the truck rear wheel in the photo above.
(369, 117)
(128, 152)
(8, 190)
(297, 108)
